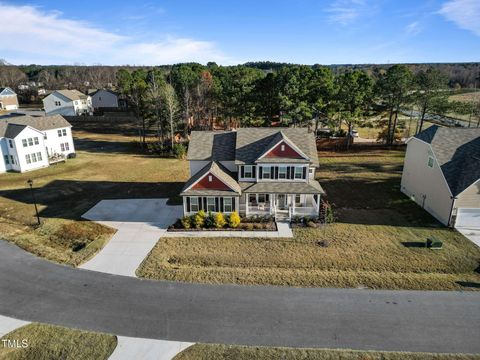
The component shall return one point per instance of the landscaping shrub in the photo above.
(234, 220)
(179, 151)
(199, 219)
(219, 220)
(209, 220)
(186, 222)
(249, 226)
(311, 224)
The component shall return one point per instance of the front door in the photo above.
(281, 202)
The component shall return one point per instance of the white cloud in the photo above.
(30, 35)
(413, 28)
(464, 13)
(345, 12)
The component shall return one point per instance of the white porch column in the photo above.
(318, 203)
(184, 205)
(246, 205)
(292, 200)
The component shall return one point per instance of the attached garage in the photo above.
(468, 218)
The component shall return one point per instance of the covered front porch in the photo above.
(281, 205)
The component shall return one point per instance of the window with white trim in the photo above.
(6, 159)
(194, 204)
(39, 156)
(298, 172)
(34, 157)
(35, 140)
(263, 198)
(227, 204)
(27, 158)
(12, 159)
(298, 199)
(62, 146)
(248, 171)
(64, 132)
(10, 142)
(58, 103)
(267, 172)
(24, 142)
(30, 142)
(282, 147)
(252, 199)
(59, 133)
(282, 172)
(210, 204)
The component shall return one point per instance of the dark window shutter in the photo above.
(292, 172)
(200, 203)
(242, 171)
(221, 204)
(260, 173)
(274, 172)
(217, 206)
(253, 171)
(205, 203)
(267, 198)
(233, 204)
(304, 172)
(188, 203)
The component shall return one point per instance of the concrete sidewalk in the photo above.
(147, 349)
(139, 222)
(8, 324)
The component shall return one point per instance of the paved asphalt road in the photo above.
(37, 290)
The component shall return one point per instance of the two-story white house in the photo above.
(68, 103)
(254, 171)
(8, 99)
(29, 143)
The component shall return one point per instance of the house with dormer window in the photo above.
(254, 171)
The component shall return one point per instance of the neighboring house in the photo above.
(8, 99)
(104, 99)
(254, 171)
(29, 143)
(68, 103)
(442, 174)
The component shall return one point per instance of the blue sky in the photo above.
(230, 32)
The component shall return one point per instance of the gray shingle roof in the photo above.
(220, 172)
(458, 154)
(41, 123)
(253, 142)
(72, 94)
(12, 130)
(246, 145)
(278, 187)
(212, 146)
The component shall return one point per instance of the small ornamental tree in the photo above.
(199, 219)
(219, 220)
(234, 220)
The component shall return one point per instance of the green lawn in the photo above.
(226, 352)
(107, 166)
(371, 244)
(48, 342)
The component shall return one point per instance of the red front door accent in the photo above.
(283, 150)
(211, 182)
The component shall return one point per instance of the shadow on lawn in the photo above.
(374, 202)
(108, 147)
(69, 199)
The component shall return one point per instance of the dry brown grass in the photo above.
(224, 352)
(46, 342)
(107, 166)
(371, 244)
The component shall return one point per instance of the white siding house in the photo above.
(8, 99)
(68, 103)
(29, 143)
(442, 174)
(104, 99)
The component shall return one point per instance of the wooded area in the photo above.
(188, 96)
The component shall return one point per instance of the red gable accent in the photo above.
(287, 152)
(215, 184)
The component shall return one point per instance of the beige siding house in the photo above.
(441, 173)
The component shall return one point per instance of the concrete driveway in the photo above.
(473, 234)
(139, 223)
